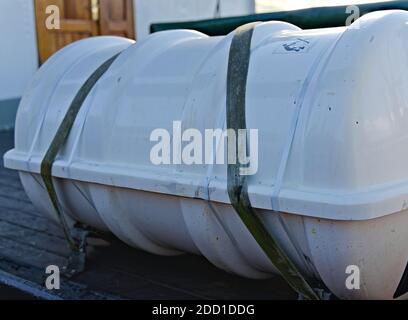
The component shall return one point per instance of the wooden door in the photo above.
(116, 18)
(81, 19)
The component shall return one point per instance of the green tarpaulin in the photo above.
(323, 17)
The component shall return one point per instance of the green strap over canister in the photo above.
(238, 66)
(59, 140)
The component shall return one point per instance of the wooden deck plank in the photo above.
(33, 238)
(34, 222)
(29, 255)
(7, 203)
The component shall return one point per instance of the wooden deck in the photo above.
(30, 242)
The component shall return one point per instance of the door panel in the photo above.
(117, 18)
(81, 19)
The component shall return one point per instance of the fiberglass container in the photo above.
(331, 110)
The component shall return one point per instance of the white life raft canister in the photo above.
(331, 110)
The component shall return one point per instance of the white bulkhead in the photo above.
(331, 109)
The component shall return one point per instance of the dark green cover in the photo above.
(313, 18)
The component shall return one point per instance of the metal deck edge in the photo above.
(70, 290)
(26, 286)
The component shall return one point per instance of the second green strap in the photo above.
(238, 66)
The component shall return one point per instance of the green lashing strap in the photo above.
(60, 139)
(238, 66)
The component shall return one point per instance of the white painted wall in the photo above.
(18, 47)
(153, 11)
